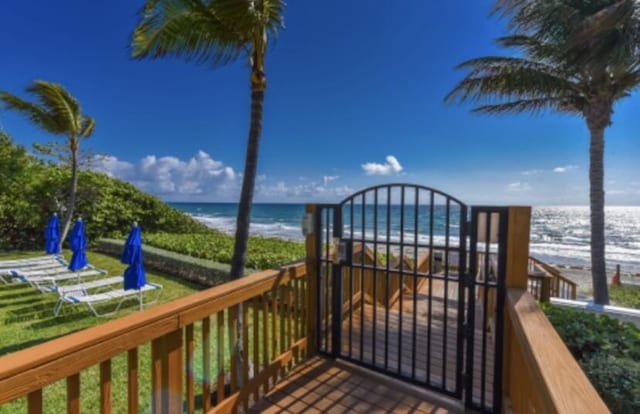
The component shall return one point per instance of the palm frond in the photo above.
(87, 126)
(508, 78)
(216, 32)
(60, 104)
(533, 106)
(36, 114)
(603, 21)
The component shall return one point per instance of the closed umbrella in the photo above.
(52, 235)
(78, 243)
(134, 239)
(134, 275)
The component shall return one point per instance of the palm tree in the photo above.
(218, 32)
(56, 111)
(574, 57)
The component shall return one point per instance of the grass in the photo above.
(26, 319)
(625, 295)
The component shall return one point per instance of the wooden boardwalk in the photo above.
(421, 342)
(413, 348)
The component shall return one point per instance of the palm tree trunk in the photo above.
(598, 118)
(244, 212)
(72, 195)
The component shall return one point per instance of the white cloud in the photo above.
(171, 177)
(391, 166)
(328, 178)
(564, 168)
(532, 172)
(309, 191)
(519, 187)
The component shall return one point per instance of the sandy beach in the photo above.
(582, 276)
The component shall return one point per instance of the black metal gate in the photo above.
(412, 285)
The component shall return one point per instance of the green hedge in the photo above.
(607, 349)
(204, 272)
(262, 253)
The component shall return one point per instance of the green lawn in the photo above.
(625, 295)
(26, 319)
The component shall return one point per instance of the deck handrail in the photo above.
(26, 372)
(541, 374)
(559, 286)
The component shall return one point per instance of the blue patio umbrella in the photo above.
(134, 239)
(134, 275)
(52, 235)
(78, 243)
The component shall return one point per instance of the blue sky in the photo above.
(354, 98)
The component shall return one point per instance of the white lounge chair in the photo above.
(82, 288)
(47, 283)
(39, 267)
(112, 295)
(30, 261)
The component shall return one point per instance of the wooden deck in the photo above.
(336, 386)
(415, 347)
(326, 386)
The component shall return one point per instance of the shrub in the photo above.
(607, 349)
(586, 333)
(262, 252)
(617, 381)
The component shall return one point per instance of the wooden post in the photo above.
(517, 275)
(174, 371)
(35, 402)
(105, 387)
(518, 247)
(157, 351)
(132, 380)
(73, 394)
(545, 289)
(312, 285)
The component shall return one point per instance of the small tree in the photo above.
(56, 111)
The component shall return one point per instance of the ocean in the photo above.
(559, 235)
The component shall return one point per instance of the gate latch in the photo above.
(341, 251)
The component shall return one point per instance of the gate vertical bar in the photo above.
(336, 294)
(313, 251)
(489, 228)
(463, 288)
(471, 309)
(499, 339)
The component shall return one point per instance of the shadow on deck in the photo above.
(331, 386)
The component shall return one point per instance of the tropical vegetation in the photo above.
(608, 350)
(30, 187)
(218, 32)
(262, 252)
(58, 112)
(569, 56)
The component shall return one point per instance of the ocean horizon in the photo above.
(559, 234)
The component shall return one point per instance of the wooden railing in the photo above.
(275, 311)
(541, 375)
(546, 282)
(270, 308)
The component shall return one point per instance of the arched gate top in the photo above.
(392, 186)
